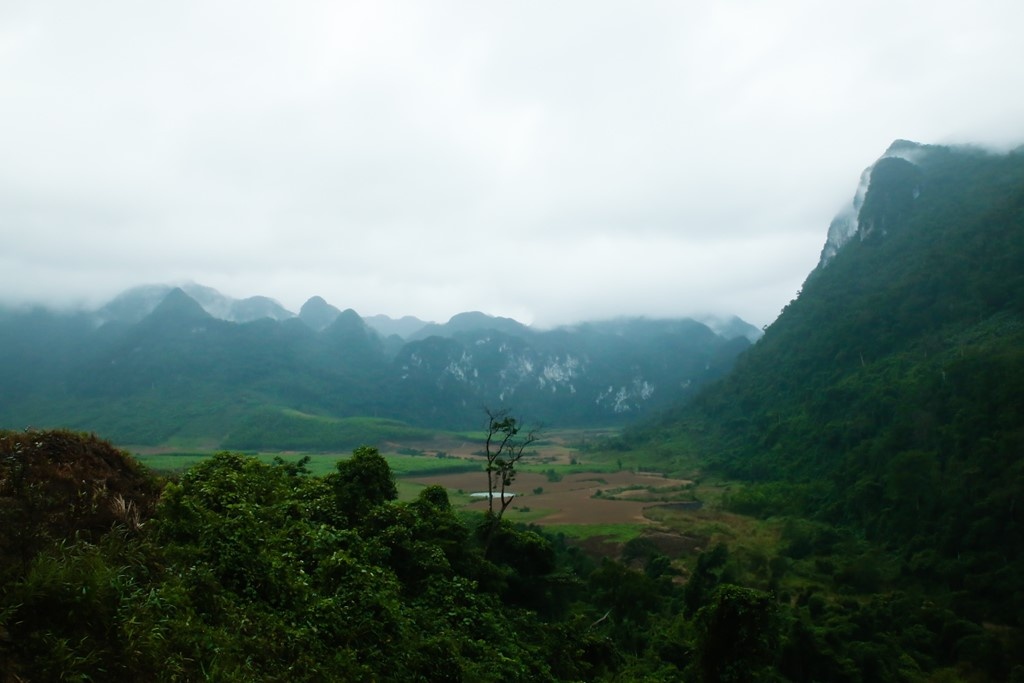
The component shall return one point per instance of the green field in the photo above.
(423, 457)
(286, 429)
(609, 532)
(319, 463)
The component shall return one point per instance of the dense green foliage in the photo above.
(876, 429)
(252, 571)
(887, 404)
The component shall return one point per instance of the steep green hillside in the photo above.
(888, 398)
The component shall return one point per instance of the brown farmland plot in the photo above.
(572, 500)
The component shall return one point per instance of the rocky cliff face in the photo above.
(597, 371)
(849, 223)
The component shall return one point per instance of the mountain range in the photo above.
(160, 362)
(860, 464)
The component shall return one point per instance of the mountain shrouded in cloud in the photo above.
(548, 164)
(886, 400)
(145, 369)
(317, 313)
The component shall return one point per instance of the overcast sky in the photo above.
(549, 161)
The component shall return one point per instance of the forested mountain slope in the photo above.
(145, 369)
(879, 424)
(888, 397)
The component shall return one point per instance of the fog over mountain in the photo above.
(838, 501)
(137, 302)
(551, 164)
(159, 361)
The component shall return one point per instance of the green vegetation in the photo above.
(878, 426)
(321, 463)
(172, 462)
(608, 532)
(421, 466)
(316, 463)
(648, 493)
(180, 376)
(246, 570)
(859, 478)
(288, 429)
(555, 471)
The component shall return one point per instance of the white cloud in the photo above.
(552, 160)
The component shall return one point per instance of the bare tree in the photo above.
(504, 448)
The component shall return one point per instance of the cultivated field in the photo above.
(577, 498)
(599, 503)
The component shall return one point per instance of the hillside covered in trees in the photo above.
(154, 365)
(886, 404)
(873, 436)
(243, 571)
